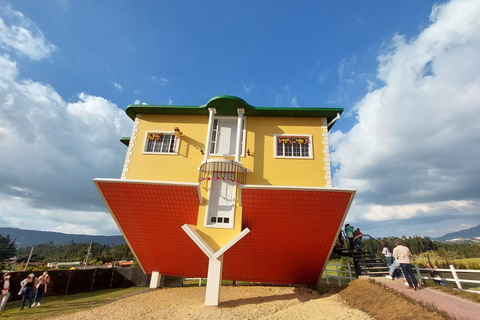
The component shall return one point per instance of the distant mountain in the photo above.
(463, 234)
(28, 238)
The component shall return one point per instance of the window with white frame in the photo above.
(224, 137)
(161, 143)
(293, 146)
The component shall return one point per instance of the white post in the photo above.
(238, 152)
(338, 274)
(419, 275)
(211, 114)
(155, 280)
(349, 271)
(455, 276)
(28, 261)
(214, 281)
(200, 282)
(88, 254)
(326, 274)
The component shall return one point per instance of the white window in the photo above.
(293, 146)
(224, 137)
(221, 203)
(161, 143)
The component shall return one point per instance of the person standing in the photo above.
(5, 285)
(387, 252)
(42, 283)
(349, 233)
(404, 257)
(358, 239)
(28, 290)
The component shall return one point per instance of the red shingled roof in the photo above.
(292, 231)
(150, 217)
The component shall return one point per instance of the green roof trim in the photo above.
(125, 140)
(227, 105)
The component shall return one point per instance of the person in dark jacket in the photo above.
(28, 290)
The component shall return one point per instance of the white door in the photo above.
(227, 136)
(221, 203)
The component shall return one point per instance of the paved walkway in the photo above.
(457, 307)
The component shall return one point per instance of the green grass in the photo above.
(60, 305)
(422, 259)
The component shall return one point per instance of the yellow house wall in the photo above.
(182, 167)
(165, 167)
(266, 169)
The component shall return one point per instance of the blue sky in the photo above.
(406, 74)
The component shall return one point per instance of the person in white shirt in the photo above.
(393, 272)
(5, 286)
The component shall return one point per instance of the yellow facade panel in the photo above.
(260, 141)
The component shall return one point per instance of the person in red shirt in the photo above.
(358, 239)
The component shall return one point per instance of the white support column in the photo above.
(214, 281)
(155, 280)
(211, 114)
(238, 153)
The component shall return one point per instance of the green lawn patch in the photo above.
(61, 305)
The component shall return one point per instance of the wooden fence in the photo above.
(338, 273)
(457, 274)
(334, 271)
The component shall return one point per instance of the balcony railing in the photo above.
(223, 169)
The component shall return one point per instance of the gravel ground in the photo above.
(239, 302)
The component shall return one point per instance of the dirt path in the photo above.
(240, 302)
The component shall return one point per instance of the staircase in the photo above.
(368, 264)
(365, 261)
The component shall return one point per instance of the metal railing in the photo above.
(370, 243)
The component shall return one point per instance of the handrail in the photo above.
(373, 249)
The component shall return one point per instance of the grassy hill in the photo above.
(464, 234)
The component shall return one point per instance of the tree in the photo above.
(7, 247)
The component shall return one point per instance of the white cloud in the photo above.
(160, 81)
(170, 102)
(293, 102)
(416, 145)
(118, 86)
(51, 151)
(322, 77)
(346, 69)
(248, 87)
(137, 101)
(20, 34)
